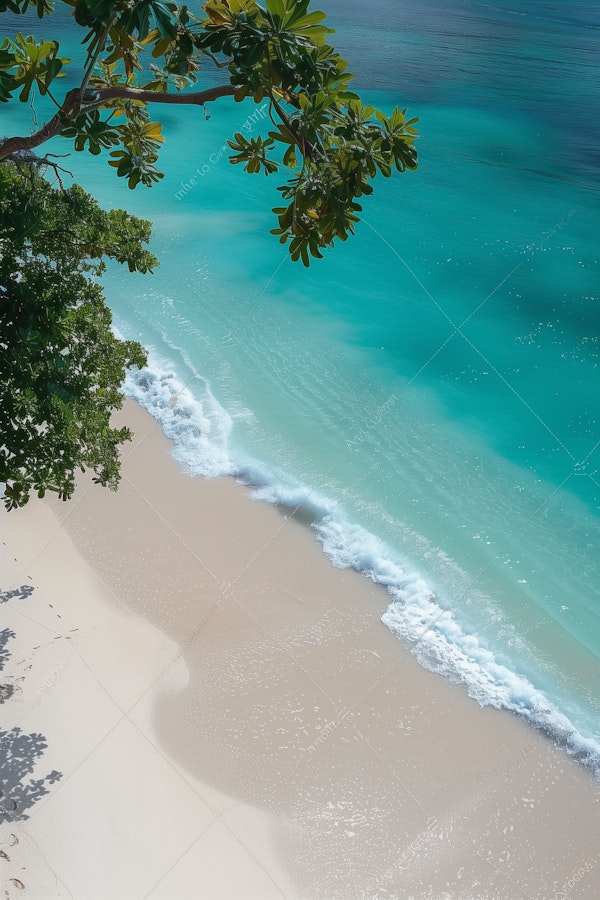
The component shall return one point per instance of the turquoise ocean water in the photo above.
(427, 393)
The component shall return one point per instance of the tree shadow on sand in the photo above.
(19, 753)
(9, 687)
(26, 590)
(5, 635)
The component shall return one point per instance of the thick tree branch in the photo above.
(198, 98)
(69, 110)
(74, 104)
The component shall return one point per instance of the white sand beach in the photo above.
(197, 704)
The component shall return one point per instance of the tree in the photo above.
(61, 367)
(329, 143)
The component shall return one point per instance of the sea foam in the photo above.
(440, 644)
(200, 428)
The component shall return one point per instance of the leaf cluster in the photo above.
(61, 366)
(26, 63)
(137, 137)
(329, 145)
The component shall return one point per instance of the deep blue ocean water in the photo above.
(427, 393)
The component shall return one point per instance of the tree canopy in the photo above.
(141, 52)
(61, 366)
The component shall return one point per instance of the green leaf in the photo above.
(61, 367)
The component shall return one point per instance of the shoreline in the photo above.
(415, 610)
(238, 663)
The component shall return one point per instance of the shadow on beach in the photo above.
(19, 754)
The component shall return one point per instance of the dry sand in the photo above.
(230, 719)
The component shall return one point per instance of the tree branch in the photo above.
(69, 110)
(198, 98)
(92, 60)
(74, 104)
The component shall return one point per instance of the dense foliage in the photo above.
(61, 367)
(150, 51)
